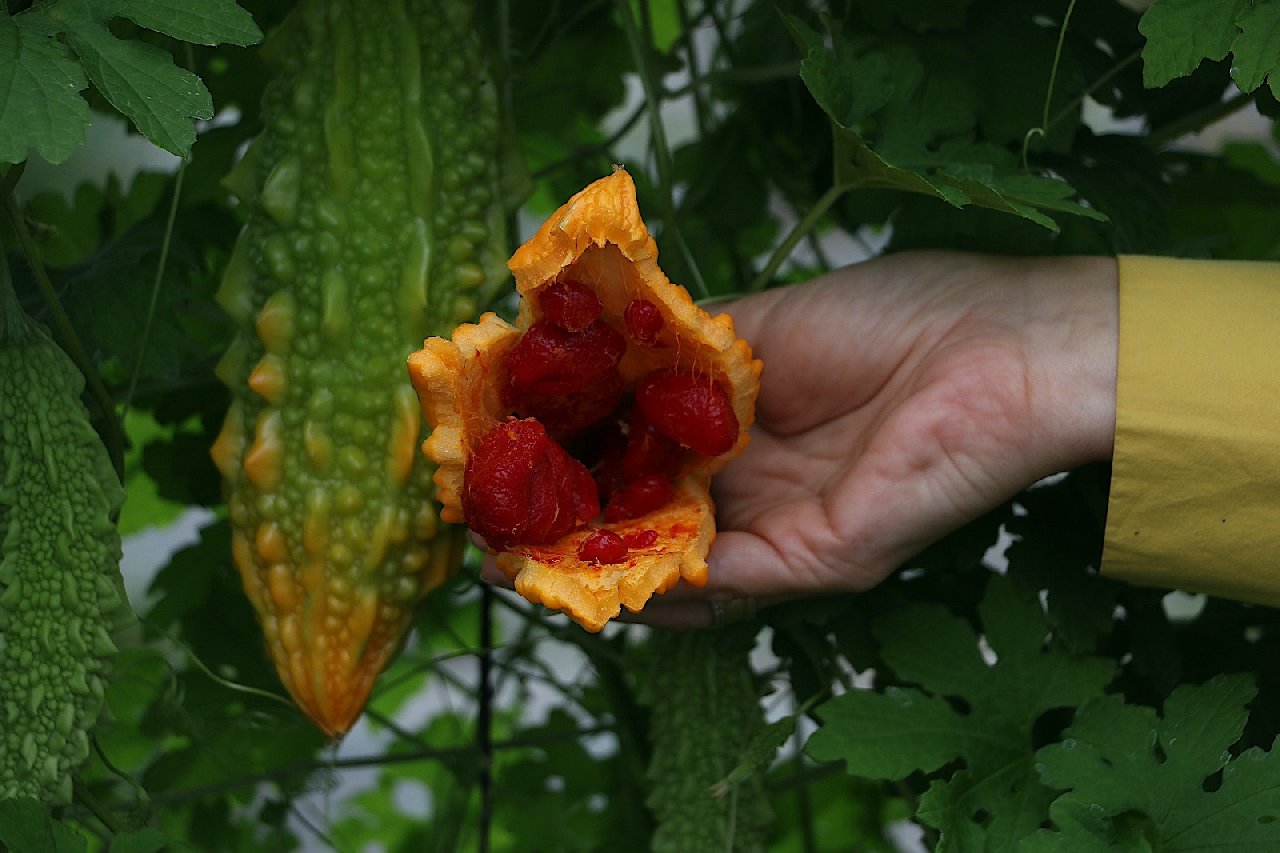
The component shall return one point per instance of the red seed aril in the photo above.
(643, 320)
(510, 488)
(694, 411)
(566, 416)
(577, 487)
(569, 304)
(648, 451)
(639, 497)
(603, 546)
(611, 446)
(549, 360)
(521, 488)
(640, 538)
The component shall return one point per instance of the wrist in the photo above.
(1074, 333)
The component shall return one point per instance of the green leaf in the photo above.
(965, 708)
(146, 840)
(557, 813)
(849, 88)
(842, 812)
(920, 14)
(1120, 759)
(207, 22)
(1022, 194)
(1056, 548)
(25, 825)
(1257, 48)
(1228, 206)
(927, 119)
(663, 22)
(140, 680)
(67, 230)
(117, 283)
(41, 110)
(140, 81)
(144, 504)
(1182, 33)
(900, 127)
(758, 754)
(1084, 830)
(887, 735)
(862, 165)
(559, 110)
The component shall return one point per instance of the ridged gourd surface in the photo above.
(60, 588)
(705, 709)
(373, 223)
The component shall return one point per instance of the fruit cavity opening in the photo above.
(607, 410)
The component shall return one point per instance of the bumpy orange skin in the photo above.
(597, 238)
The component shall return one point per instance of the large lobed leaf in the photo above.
(1183, 33)
(52, 51)
(899, 127)
(964, 709)
(1137, 778)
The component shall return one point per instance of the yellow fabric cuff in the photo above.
(1195, 487)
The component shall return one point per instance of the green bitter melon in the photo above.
(705, 710)
(373, 223)
(61, 593)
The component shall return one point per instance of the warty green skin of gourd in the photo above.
(60, 588)
(374, 222)
(704, 710)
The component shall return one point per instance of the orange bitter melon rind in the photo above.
(597, 238)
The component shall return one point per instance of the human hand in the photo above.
(902, 398)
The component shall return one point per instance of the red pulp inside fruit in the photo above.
(639, 497)
(641, 538)
(569, 304)
(648, 451)
(522, 487)
(603, 546)
(643, 321)
(691, 410)
(519, 486)
(567, 415)
(552, 360)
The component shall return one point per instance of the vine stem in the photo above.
(1053, 79)
(804, 803)
(658, 138)
(139, 792)
(9, 178)
(733, 820)
(450, 756)
(759, 74)
(798, 233)
(1198, 120)
(114, 438)
(234, 686)
(1066, 109)
(95, 806)
(155, 285)
(484, 715)
(695, 71)
(577, 155)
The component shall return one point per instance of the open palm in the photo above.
(900, 399)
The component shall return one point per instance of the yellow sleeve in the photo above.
(1195, 487)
